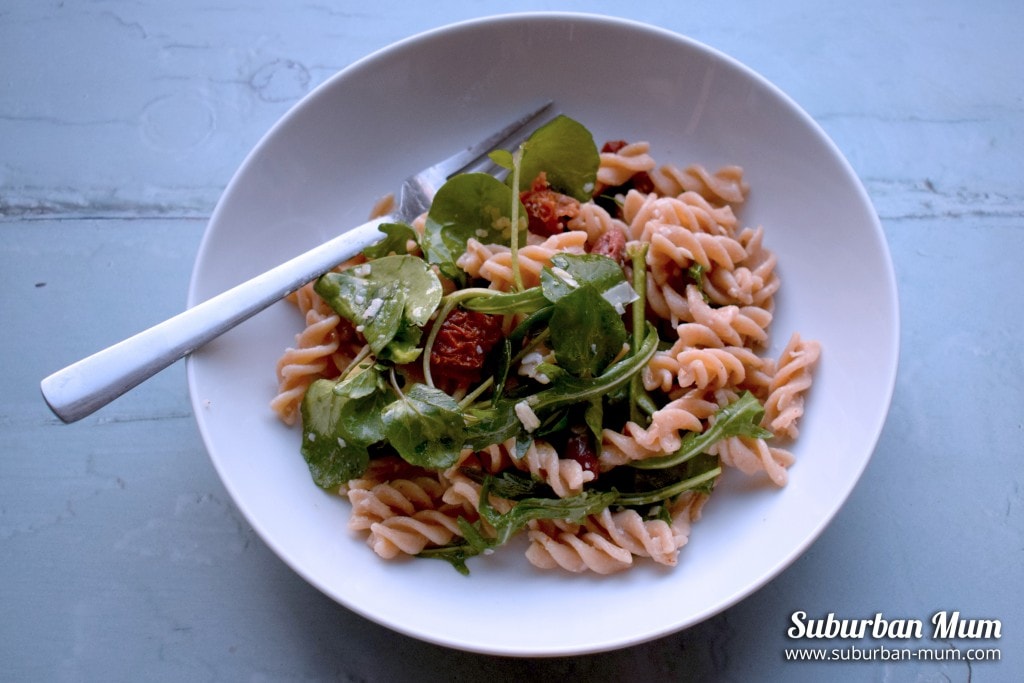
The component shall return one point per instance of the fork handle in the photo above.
(86, 386)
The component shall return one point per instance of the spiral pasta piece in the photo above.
(689, 210)
(750, 456)
(494, 262)
(684, 511)
(785, 402)
(309, 359)
(734, 325)
(664, 434)
(642, 538)
(377, 502)
(753, 282)
(410, 534)
(682, 247)
(618, 167)
(551, 548)
(566, 477)
(594, 220)
(726, 184)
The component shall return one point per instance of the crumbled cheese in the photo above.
(526, 416)
(565, 277)
(620, 295)
(528, 367)
(362, 270)
(373, 309)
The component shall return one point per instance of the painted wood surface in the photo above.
(122, 556)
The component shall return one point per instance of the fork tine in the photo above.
(475, 156)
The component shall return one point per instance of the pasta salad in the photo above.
(574, 353)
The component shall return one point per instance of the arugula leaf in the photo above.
(742, 417)
(389, 299)
(396, 240)
(340, 420)
(573, 509)
(468, 205)
(499, 421)
(527, 301)
(565, 151)
(425, 425)
(638, 487)
(511, 484)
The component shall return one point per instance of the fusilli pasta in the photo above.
(708, 287)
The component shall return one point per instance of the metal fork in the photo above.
(86, 386)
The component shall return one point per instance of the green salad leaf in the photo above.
(340, 421)
(425, 425)
(586, 332)
(389, 299)
(564, 150)
(396, 240)
(569, 271)
(469, 205)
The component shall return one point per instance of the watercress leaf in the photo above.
(359, 418)
(742, 417)
(404, 345)
(336, 430)
(426, 426)
(512, 484)
(503, 158)
(567, 389)
(362, 381)
(565, 151)
(473, 543)
(421, 290)
(494, 423)
(586, 332)
(469, 205)
(387, 299)
(396, 240)
(594, 269)
(555, 285)
(568, 271)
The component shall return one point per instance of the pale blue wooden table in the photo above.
(122, 557)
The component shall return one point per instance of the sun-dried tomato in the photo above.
(579, 446)
(463, 342)
(549, 211)
(611, 244)
(613, 146)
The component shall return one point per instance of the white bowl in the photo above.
(356, 136)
